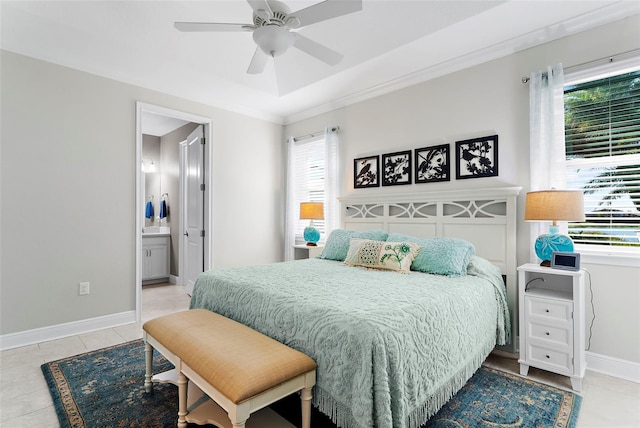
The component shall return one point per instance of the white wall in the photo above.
(68, 192)
(484, 100)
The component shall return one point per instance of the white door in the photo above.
(193, 254)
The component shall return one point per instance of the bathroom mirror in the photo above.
(151, 166)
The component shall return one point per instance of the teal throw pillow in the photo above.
(442, 256)
(337, 245)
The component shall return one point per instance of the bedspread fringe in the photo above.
(343, 418)
(419, 416)
(327, 405)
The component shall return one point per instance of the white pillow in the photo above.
(396, 256)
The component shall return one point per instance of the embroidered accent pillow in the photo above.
(387, 255)
(442, 256)
(337, 244)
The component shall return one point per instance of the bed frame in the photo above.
(485, 217)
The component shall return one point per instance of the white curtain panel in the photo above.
(331, 183)
(546, 137)
(331, 180)
(290, 206)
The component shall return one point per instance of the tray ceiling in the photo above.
(388, 45)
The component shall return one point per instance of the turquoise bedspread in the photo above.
(391, 348)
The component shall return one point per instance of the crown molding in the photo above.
(605, 15)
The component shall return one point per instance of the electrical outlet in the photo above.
(83, 290)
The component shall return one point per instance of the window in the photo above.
(309, 181)
(602, 140)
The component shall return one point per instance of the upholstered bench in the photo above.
(238, 368)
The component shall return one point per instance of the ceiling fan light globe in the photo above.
(273, 40)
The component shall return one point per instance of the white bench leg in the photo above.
(148, 358)
(305, 399)
(238, 414)
(183, 383)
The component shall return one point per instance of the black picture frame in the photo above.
(396, 168)
(366, 172)
(432, 164)
(477, 157)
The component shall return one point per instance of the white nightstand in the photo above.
(551, 305)
(303, 251)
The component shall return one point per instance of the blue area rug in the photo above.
(499, 399)
(105, 388)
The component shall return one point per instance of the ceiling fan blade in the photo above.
(317, 50)
(211, 26)
(326, 10)
(257, 5)
(258, 62)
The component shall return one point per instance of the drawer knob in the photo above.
(546, 310)
(547, 333)
(547, 356)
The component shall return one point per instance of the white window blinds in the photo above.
(602, 139)
(309, 181)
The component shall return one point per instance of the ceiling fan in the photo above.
(272, 25)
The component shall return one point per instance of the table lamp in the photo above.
(311, 211)
(554, 206)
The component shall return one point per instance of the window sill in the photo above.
(608, 256)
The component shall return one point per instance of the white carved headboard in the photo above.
(484, 217)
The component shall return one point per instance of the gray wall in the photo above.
(68, 181)
(483, 100)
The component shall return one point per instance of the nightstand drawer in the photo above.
(552, 323)
(547, 308)
(556, 360)
(557, 335)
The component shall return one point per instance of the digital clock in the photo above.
(565, 261)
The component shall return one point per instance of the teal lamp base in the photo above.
(311, 236)
(549, 243)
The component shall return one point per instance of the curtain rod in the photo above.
(314, 134)
(609, 59)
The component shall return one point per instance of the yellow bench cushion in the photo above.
(233, 358)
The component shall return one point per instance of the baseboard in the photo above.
(45, 334)
(611, 366)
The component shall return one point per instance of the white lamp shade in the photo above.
(311, 211)
(555, 205)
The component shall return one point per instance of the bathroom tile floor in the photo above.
(25, 401)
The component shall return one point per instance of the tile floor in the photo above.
(25, 401)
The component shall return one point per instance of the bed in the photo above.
(391, 347)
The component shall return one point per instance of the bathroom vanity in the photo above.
(155, 254)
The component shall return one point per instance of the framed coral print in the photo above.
(477, 157)
(396, 168)
(365, 172)
(432, 164)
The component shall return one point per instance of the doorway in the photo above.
(146, 113)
